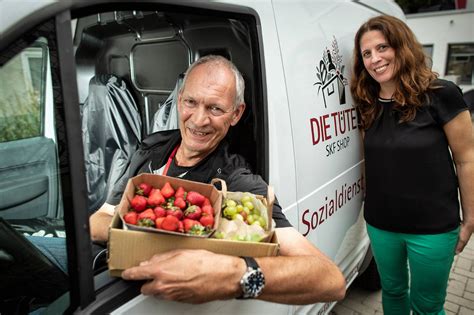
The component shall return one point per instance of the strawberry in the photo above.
(167, 191)
(131, 217)
(159, 212)
(207, 220)
(193, 212)
(159, 222)
(170, 223)
(197, 229)
(143, 189)
(138, 203)
(180, 192)
(147, 214)
(155, 198)
(208, 209)
(146, 222)
(175, 211)
(195, 198)
(206, 202)
(180, 226)
(179, 202)
(188, 224)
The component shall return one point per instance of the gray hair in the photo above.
(217, 60)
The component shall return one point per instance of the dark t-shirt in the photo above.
(157, 148)
(411, 180)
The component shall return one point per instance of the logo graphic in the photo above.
(330, 75)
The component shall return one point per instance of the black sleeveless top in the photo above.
(410, 177)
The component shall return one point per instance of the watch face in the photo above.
(253, 284)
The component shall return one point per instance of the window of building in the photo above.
(428, 49)
(461, 62)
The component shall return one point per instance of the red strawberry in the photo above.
(147, 214)
(206, 202)
(144, 189)
(180, 192)
(167, 191)
(131, 217)
(155, 198)
(146, 222)
(193, 212)
(208, 209)
(197, 229)
(159, 212)
(195, 198)
(170, 223)
(138, 203)
(207, 220)
(159, 222)
(179, 202)
(176, 212)
(188, 224)
(180, 226)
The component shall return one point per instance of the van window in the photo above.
(22, 93)
(30, 207)
(461, 62)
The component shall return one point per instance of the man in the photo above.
(209, 102)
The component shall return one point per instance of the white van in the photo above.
(84, 82)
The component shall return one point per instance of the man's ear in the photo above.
(238, 114)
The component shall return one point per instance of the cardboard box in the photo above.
(128, 248)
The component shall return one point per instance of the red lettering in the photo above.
(314, 121)
(325, 126)
(333, 115)
(305, 222)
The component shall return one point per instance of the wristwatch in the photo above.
(253, 280)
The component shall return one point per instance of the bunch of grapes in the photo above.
(244, 210)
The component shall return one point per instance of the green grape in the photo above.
(255, 211)
(245, 199)
(229, 212)
(249, 205)
(230, 203)
(237, 216)
(219, 235)
(262, 222)
(250, 219)
(255, 237)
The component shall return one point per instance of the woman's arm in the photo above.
(460, 134)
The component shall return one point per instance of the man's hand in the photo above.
(192, 276)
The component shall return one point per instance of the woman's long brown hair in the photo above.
(411, 71)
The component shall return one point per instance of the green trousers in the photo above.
(414, 269)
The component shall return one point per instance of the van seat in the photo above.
(111, 131)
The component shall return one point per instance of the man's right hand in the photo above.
(99, 223)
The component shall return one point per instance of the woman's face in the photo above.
(379, 57)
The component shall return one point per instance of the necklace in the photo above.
(385, 100)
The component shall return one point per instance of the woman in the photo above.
(411, 121)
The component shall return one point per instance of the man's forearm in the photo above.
(313, 279)
(99, 226)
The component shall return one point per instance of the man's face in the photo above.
(206, 108)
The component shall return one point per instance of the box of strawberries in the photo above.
(162, 204)
(160, 213)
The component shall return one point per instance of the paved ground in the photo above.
(460, 299)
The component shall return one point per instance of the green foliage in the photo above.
(20, 119)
